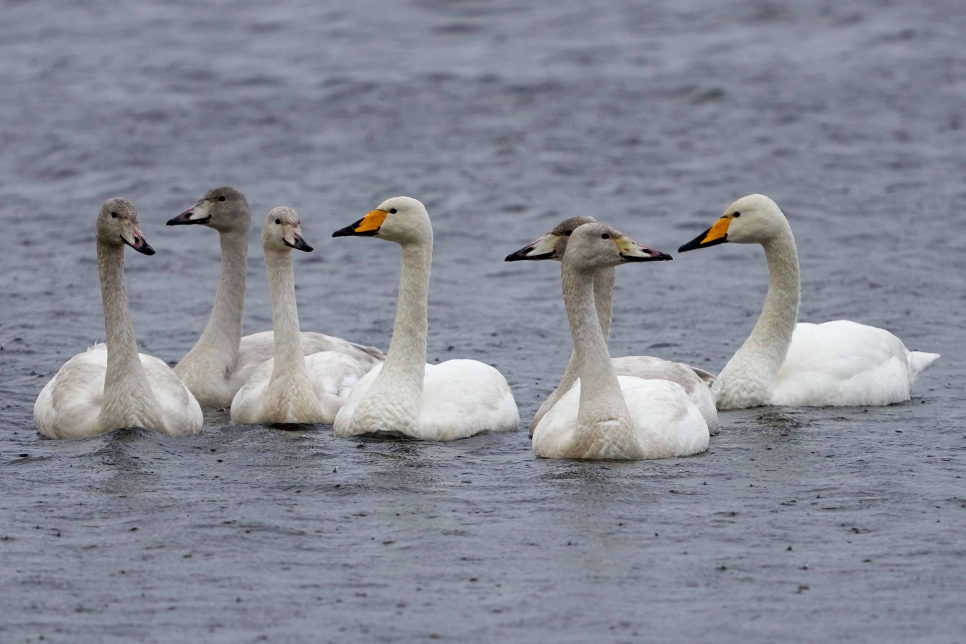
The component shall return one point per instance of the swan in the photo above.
(404, 396)
(786, 362)
(606, 416)
(222, 360)
(292, 387)
(695, 381)
(111, 386)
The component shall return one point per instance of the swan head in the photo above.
(754, 219)
(553, 245)
(595, 246)
(117, 224)
(224, 209)
(282, 231)
(403, 220)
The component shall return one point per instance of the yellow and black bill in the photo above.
(543, 248)
(368, 226)
(717, 234)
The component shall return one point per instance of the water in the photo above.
(810, 525)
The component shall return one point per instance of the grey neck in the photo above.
(223, 332)
(289, 357)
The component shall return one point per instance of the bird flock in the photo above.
(626, 408)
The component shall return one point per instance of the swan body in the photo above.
(666, 423)
(603, 415)
(695, 381)
(784, 362)
(404, 396)
(291, 387)
(222, 361)
(112, 386)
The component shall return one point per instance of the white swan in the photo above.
(292, 387)
(606, 416)
(405, 396)
(222, 360)
(112, 386)
(838, 363)
(695, 381)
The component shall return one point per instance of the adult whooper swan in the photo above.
(292, 387)
(222, 360)
(111, 386)
(404, 396)
(606, 416)
(786, 362)
(695, 381)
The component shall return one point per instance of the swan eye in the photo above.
(113, 215)
(737, 214)
(221, 198)
(278, 221)
(567, 233)
(605, 236)
(392, 211)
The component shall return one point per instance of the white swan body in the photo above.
(695, 381)
(666, 423)
(222, 361)
(111, 386)
(292, 387)
(784, 362)
(606, 416)
(405, 396)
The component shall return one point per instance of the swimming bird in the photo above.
(112, 386)
(222, 360)
(404, 396)
(292, 387)
(786, 362)
(552, 246)
(606, 416)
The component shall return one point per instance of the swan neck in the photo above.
(289, 357)
(601, 399)
(772, 335)
(125, 376)
(407, 349)
(222, 334)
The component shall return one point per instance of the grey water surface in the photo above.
(504, 117)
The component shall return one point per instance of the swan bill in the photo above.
(298, 244)
(717, 234)
(631, 251)
(368, 226)
(196, 214)
(138, 243)
(543, 248)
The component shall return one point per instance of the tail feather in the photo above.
(920, 361)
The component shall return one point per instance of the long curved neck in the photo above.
(768, 342)
(289, 357)
(407, 349)
(604, 300)
(125, 383)
(223, 332)
(604, 428)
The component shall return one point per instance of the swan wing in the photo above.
(464, 397)
(255, 349)
(844, 363)
(70, 403)
(333, 376)
(649, 368)
(179, 409)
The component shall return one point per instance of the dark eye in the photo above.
(605, 236)
(737, 214)
(392, 211)
(114, 214)
(278, 221)
(567, 233)
(221, 198)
